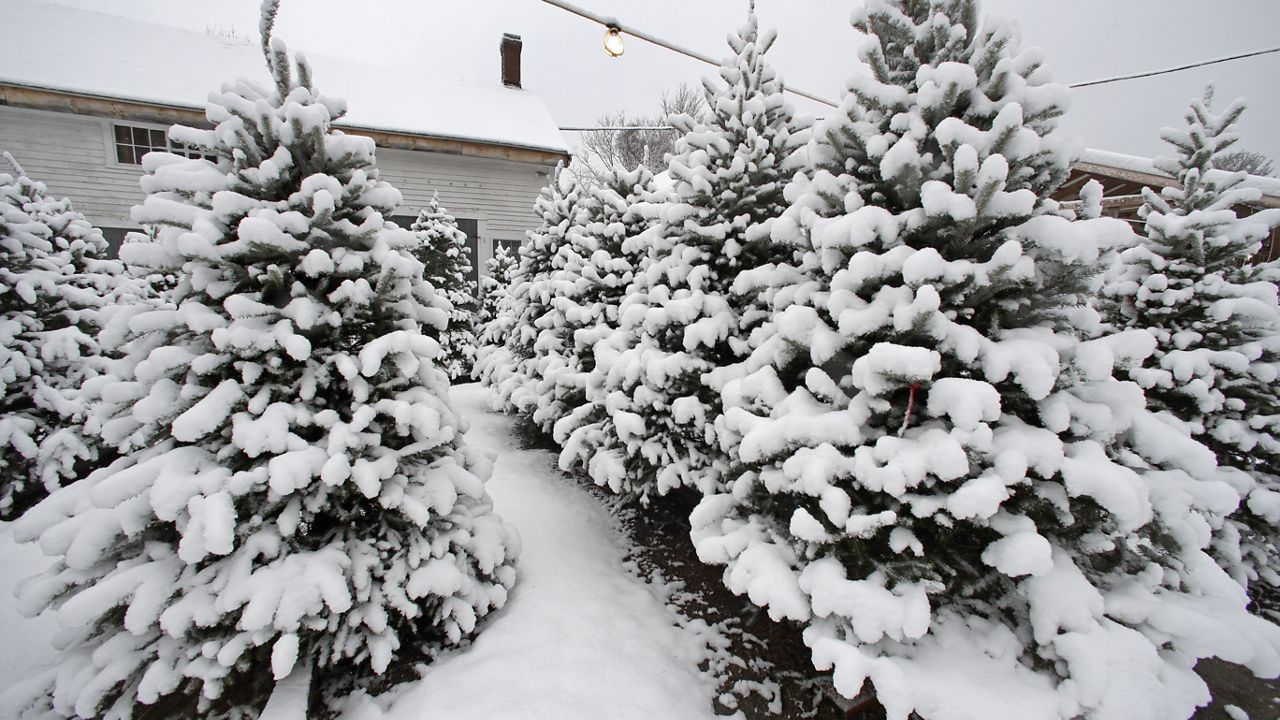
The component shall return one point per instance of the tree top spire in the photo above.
(13, 163)
(266, 26)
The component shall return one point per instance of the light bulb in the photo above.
(613, 44)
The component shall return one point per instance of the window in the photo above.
(404, 221)
(512, 246)
(469, 227)
(472, 229)
(133, 141)
(115, 238)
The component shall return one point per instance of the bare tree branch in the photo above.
(1254, 163)
(602, 149)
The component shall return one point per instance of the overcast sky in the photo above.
(816, 49)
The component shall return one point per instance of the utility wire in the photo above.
(617, 127)
(609, 22)
(1165, 71)
(1088, 83)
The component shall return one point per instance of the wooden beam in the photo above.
(1073, 183)
(35, 98)
(1153, 181)
(450, 146)
(1132, 176)
(1125, 189)
(1120, 202)
(39, 99)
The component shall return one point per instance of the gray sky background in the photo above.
(816, 50)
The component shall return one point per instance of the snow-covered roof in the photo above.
(1132, 163)
(60, 48)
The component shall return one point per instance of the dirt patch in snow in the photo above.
(763, 667)
(1235, 685)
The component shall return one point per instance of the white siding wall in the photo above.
(69, 154)
(73, 155)
(497, 193)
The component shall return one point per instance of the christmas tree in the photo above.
(495, 284)
(294, 496)
(1217, 326)
(681, 319)
(932, 468)
(499, 314)
(591, 273)
(511, 362)
(444, 253)
(56, 287)
(607, 247)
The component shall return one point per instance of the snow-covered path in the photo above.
(580, 638)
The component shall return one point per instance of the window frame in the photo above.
(513, 247)
(465, 213)
(109, 142)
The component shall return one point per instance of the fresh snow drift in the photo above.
(27, 642)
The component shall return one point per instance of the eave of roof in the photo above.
(1142, 171)
(37, 98)
(94, 56)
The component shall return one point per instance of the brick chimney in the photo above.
(511, 60)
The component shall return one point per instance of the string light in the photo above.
(634, 32)
(613, 44)
(615, 28)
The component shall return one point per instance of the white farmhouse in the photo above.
(84, 95)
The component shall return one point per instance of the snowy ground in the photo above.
(24, 643)
(580, 638)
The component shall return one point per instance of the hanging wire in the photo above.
(614, 23)
(618, 127)
(1179, 68)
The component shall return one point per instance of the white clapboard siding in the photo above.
(68, 153)
(497, 193)
(74, 156)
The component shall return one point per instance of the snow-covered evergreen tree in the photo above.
(513, 349)
(495, 284)
(681, 320)
(55, 282)
(1216, 321)
(589, 275)
(500, 318)
(932, 468)
(294, 495)
(599, 264)
(444, 253)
